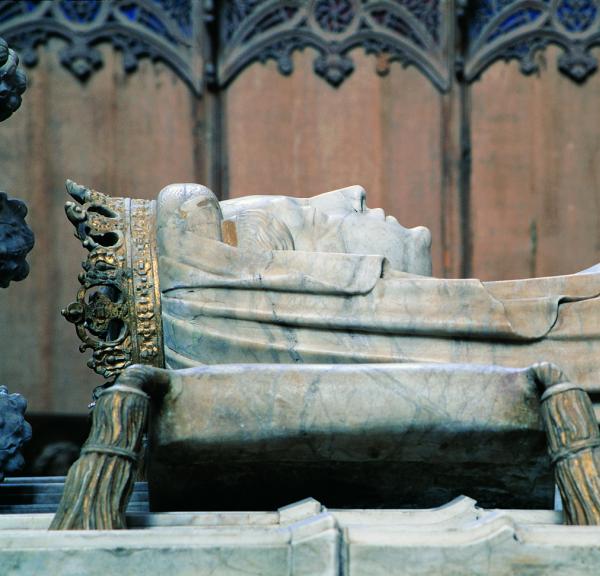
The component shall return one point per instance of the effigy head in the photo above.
(338, 222)
(364, 230)
(117, 312)
(16, 240)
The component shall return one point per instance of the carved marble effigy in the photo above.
(317, 280)
(308, 348)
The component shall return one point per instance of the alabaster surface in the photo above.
(307, 539)
(393, 435)
(326, 280)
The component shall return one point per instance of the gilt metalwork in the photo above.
(117, 310)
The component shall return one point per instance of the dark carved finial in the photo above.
(14, 431)
(12, 81)
(78, 192)
(16, 240)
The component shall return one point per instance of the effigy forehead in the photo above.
(348, 199)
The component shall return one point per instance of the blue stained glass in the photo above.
(482, 15)
(155, 24)
(576, 15)
(486, 10)
(427, 12)
(130, 11)
(147, 19)
(80, 11)
(31, 5)
(9, 11)
(514, 21)
(234, 14)
(181, 12)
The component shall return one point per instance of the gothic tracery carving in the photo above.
(520, 28)
(236, 33)
(408, 31)
(157, 29)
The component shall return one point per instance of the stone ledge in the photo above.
(306, 539)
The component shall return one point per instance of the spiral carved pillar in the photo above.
(573, 445)
(16, 240)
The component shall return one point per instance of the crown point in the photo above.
(74, 313)
(78, 192)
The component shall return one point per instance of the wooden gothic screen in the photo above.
(478, 119)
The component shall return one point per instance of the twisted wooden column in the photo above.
(99, 484)
(573, 444)
(16, 241)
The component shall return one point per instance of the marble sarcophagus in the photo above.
(246, 436)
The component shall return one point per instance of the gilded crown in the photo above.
(117, 310)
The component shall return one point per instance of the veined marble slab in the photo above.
(305, 538)
(237, 436)
(328, 280)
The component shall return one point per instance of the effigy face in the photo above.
(334, 222)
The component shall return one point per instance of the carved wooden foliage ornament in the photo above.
(163, 30)
(517, 29)
(205, 41)
(408, 31)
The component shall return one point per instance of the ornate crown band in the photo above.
(117, 311)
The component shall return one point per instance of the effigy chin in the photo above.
(310, 352)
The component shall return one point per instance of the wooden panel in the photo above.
(535, 185)
(298, 136)
(122, 134)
